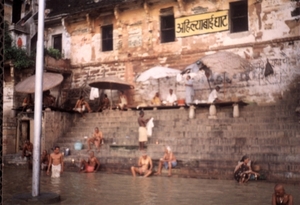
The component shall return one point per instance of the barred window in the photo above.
(239, 16)
(107, 38)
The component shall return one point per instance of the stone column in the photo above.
(236, 112)
(212, 112)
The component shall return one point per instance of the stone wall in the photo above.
(54, 126)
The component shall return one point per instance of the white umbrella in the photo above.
(156, 73)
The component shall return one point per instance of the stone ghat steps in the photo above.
(252, 136)
(273, 140)
(260, 153)
(199, 168)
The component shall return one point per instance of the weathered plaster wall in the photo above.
(7, 12)
(273, 34)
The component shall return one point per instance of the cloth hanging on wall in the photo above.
(94, 93)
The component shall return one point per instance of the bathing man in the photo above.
(280, 197)
(92, 165)
(168, 161)
(57, 163)
(96, 139)
(27, 152)
(144, 166)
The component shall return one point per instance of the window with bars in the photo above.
(239, 16)
(107, 38)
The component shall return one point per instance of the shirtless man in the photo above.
(144, 166)
(81, 105)
(168, 161)
(92, 165)
(96, 139)
(27, 152)
(142, 130)
(57, 163)
(280, 197)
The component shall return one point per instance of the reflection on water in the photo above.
(100, 188)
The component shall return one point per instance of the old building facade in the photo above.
(123, 38)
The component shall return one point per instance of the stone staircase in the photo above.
(206, 148)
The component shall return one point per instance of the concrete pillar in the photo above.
(212, 112)
(236, 112)
(192, 112)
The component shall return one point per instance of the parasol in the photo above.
(156, 73)
(111, 82)
(220, 62)
(50, 80)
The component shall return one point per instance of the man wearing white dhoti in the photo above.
(189, 90)
(142, 130)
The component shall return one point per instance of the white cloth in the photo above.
(149, 127)
(56, 171)
(94, 93)
(212, 96)
(179, 77)
(189, 91)
(171, 98)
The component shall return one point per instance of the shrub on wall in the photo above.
(54, 53)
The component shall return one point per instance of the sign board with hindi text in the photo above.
(201, 24)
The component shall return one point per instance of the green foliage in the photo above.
(53, 53)
(19, 57)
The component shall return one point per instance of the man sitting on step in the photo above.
(96, 139)
(144, 166)
(168, 161)
(91, 165)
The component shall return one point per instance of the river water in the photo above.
(101, 188)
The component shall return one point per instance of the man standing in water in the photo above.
(144, 166)
(57, 163)
(142, 130)
(92, 165)
(27, 152)
(96, 139)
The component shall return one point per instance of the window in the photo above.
(167, 28)
(239, 16)
(107, 38)
(57, 42)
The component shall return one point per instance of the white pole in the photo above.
(39, 66)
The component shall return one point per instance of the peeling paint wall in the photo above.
(273, 34)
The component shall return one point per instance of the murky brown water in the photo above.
(100, 188)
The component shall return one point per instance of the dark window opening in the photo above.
(239, 16)
(107, 38)
(167, 28)
(57, 42)
(33, 44)
(16, 11)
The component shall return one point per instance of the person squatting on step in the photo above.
(279, 196)
(81, 105)
(142, 130)
(144, 166)
(56, 163)
(243, 171)
(91, 165)
(96, 139)
(168, 161)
